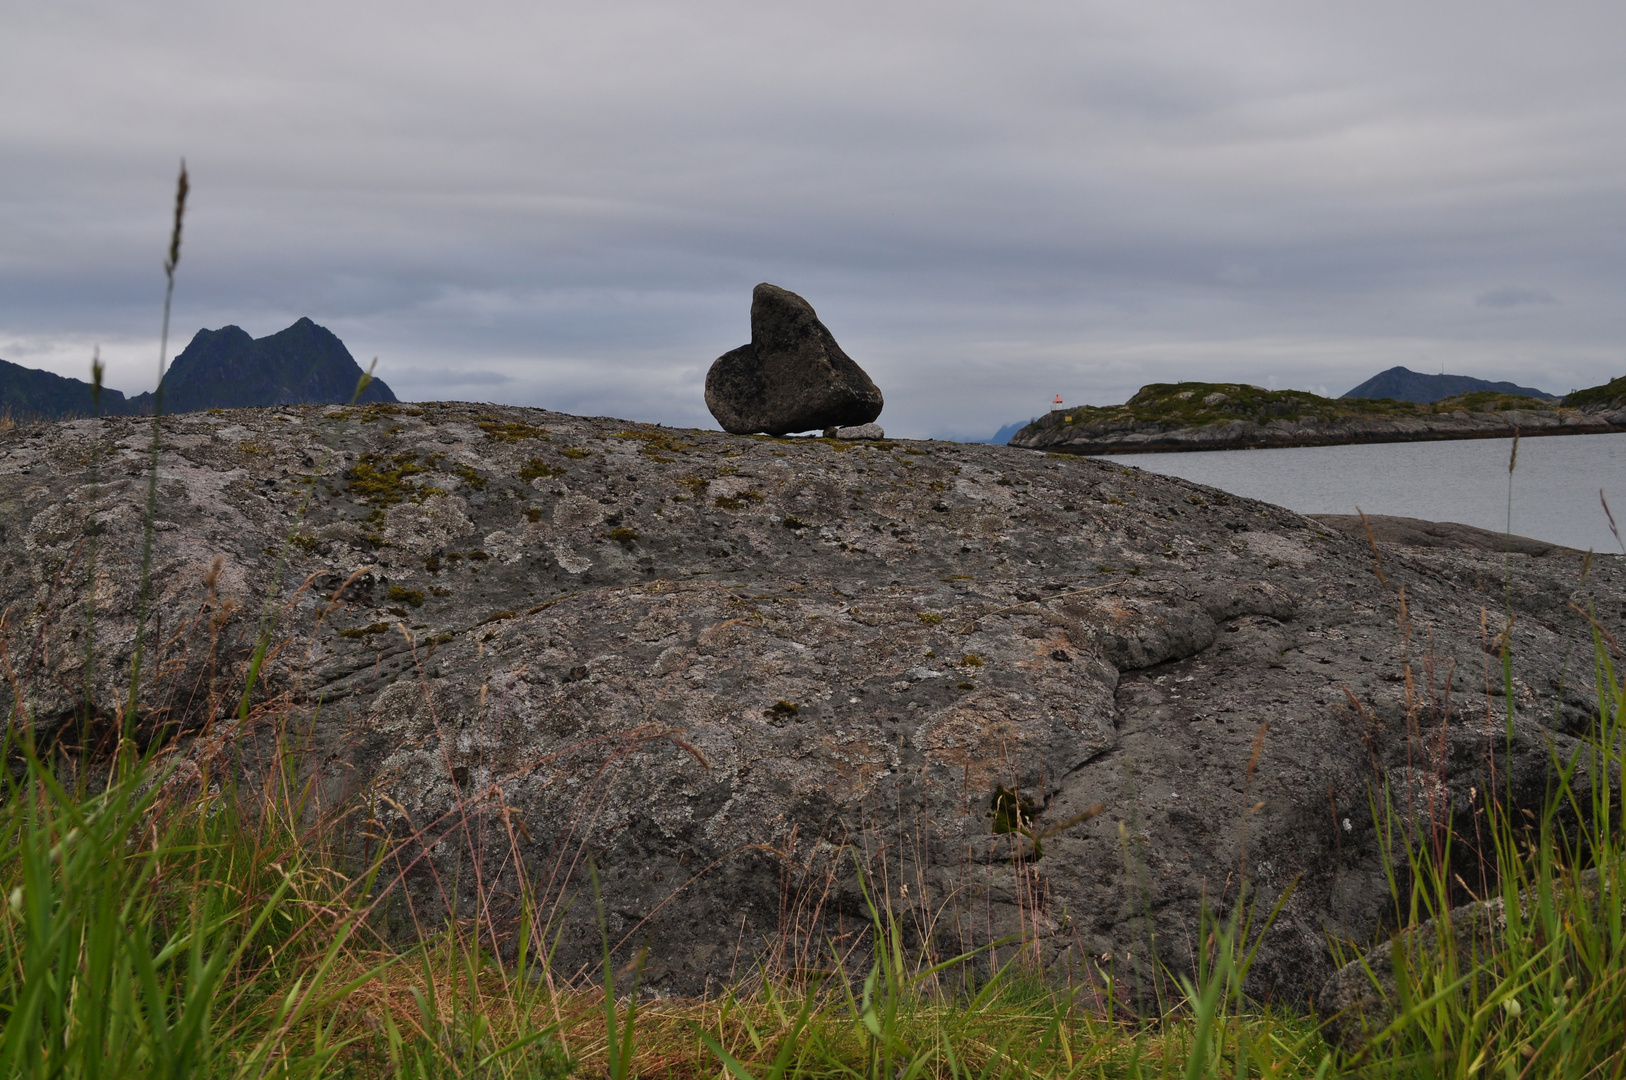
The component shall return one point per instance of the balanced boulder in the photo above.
(791, 377)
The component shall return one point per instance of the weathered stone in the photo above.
(862, 431)
(1414, 532)
(723, 668)
(791, 377)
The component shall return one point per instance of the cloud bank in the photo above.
(567, 205)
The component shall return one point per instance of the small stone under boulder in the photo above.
(791, 377)
(862, 431)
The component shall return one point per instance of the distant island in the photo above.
(305, 364)
(1396, 384)
(1403, 384)
(1234, 416)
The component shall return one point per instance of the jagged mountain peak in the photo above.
(303, 364)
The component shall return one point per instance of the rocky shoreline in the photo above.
(731, 670)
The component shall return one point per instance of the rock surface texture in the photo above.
(1415, 532)
(731, 669)
(791, 377)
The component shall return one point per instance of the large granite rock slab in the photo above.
(729, 669)
(1415, 532)
(791, 377)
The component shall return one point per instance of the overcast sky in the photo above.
(567, 204)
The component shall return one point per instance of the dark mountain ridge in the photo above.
(306, 364)
(1403, 384)
(29, 393)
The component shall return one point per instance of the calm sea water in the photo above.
(1555, 484)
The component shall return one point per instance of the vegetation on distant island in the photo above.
(1612, 391)
(1197, 404)
(1217, 416)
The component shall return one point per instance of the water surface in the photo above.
(1555, 483)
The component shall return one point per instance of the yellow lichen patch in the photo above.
(537, 469)
(469, 476)
(378, 479)
(372, 412)
(658, 443)
(511, 431)
(737, 502)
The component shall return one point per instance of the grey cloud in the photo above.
(987, 206)
(1510, 296)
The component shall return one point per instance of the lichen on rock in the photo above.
(599, 654)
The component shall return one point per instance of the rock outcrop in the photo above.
(731, 669)
(791, 377)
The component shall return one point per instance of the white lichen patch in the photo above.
(577, 512)
(569, 560)
(427, 527)
(1279, 548)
